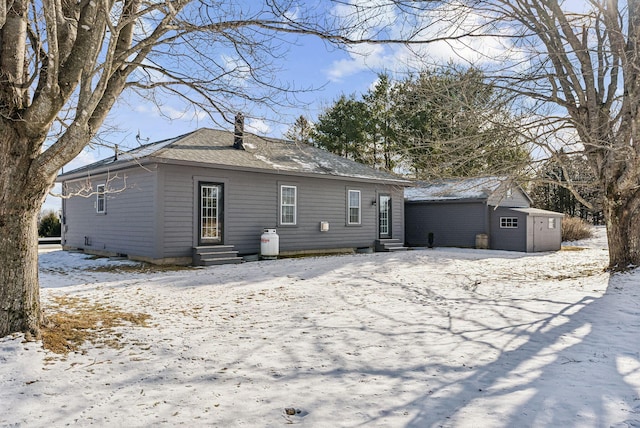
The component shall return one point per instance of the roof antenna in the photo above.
(139, 138)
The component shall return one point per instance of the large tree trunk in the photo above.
(22, 193)
(622, 216)
(19, 290)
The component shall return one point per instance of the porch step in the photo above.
(221, 261)
(215, 255)
(387, 245)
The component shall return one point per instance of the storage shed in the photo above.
(486, 212)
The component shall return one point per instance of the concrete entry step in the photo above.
(388, 245)
(212, 255)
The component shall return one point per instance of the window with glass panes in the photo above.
(508, 222)
(354, 207)
(209, 212)
(100, 199)
(288, 204)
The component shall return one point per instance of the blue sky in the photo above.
(309, 62)
(310, 65)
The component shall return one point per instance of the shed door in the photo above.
(538, 233)
(211, 216)
(547, 234)
(384, 216)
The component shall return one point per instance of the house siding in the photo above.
(251, 203)
(127, 227)
(508, 239)
(176, 220)
(500, 197)
(452, 224)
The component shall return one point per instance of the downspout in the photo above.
(487, 222)
(63, 217)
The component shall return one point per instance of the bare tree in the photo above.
(64, 64)
(574, 70)
(579, 71)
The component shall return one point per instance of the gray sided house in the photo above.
(211, 191)
(488, 212)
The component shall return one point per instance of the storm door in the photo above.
(384, 216)
(211, 216)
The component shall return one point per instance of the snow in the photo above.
(425, 338)
(148, 149)
(454, 189)
(269, 162)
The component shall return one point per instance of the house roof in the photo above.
(455, 189)
(537, 212)
(215, 148)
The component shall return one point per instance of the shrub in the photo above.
(49, 225)
(575, 229)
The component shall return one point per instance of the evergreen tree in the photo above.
(49, 225)
(341, 129)
(380, 124)
(301, 131)
(440, 123)
(452, 124)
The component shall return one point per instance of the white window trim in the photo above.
(294, 205)
(349, 207)
(508, 222)
(552, 223)
(101, 196)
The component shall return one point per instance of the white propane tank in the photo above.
(269, 244)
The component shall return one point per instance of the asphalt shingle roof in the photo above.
(454, 189)
(215, 148)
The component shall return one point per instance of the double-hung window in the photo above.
(552, 223)
(508, 222)
(288, 205)
(100, 199)
(354, 207)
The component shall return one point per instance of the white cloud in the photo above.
(257, 126)
(366, 18)
(293, 14)
(361, 58)
(85, 157)
(437, 23)
(238, 71)
(187, 114)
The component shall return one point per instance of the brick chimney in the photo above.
(238, 132)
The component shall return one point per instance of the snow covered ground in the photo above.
(428, 338)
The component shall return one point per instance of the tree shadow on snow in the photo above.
(430, 359)
(578, 366)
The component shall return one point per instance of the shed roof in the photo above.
(536, 212)
(215, 148)
(454, 189)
